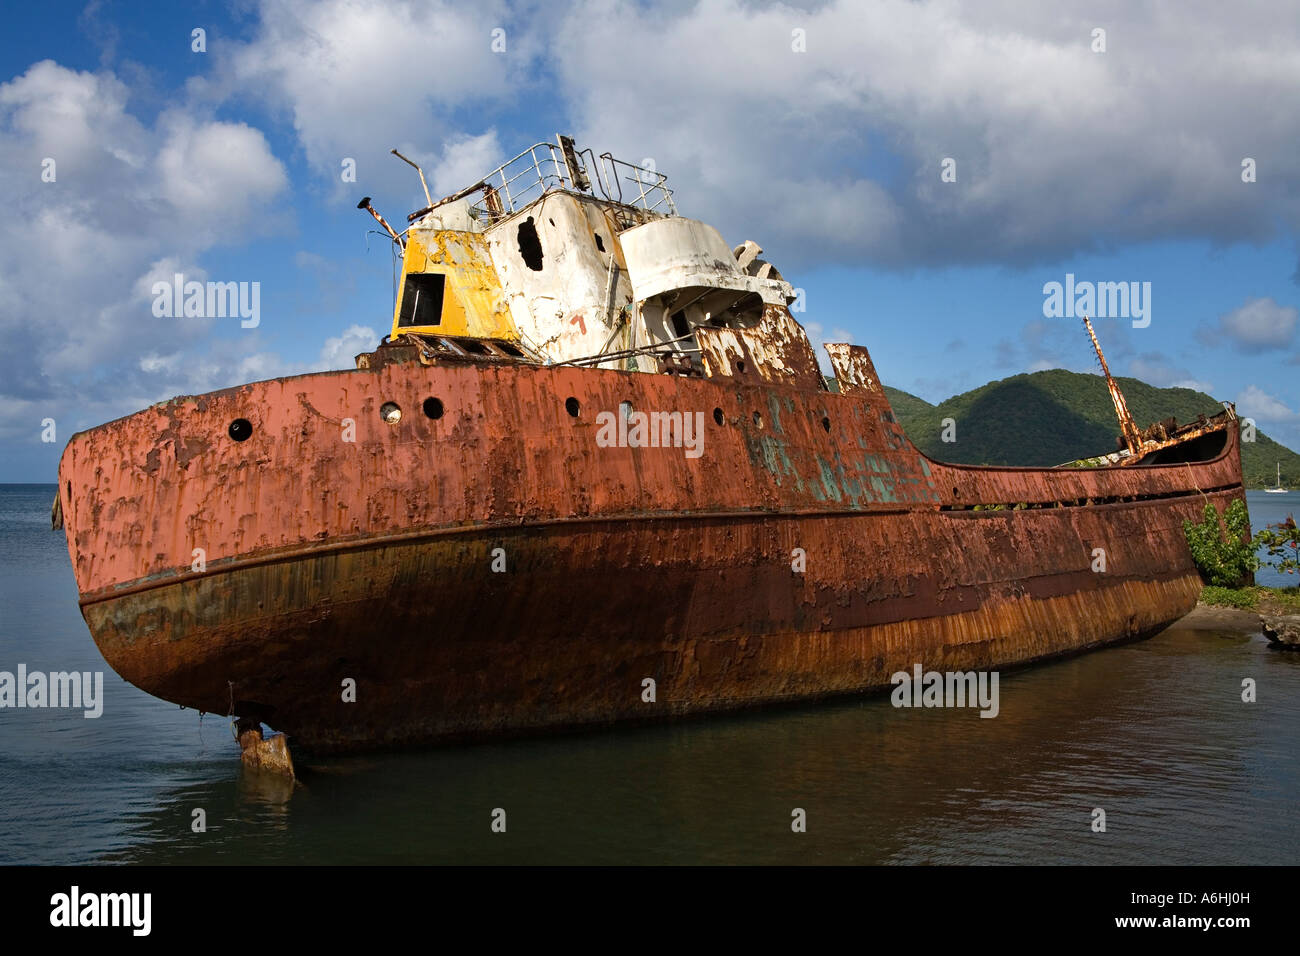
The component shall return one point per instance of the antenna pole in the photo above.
(427, 198)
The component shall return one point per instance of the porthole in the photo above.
(390, 413)
(240, 429)
(826, 423)
(432, 408)
(717, 415)
(572, 407)
(758, 419)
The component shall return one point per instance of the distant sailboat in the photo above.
(1279, 490)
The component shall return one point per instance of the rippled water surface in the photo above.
(1154, 733)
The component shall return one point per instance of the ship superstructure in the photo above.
(559, 256)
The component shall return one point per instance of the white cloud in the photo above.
(357, 78)
(129, 202)
(1258, 325)
(832, 154)
(799, 144)
(340, 351)
(464, 160)
(837, 150)
(216, 176)
(1254, 402)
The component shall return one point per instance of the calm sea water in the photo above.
(1154, 733)
(1266, 509)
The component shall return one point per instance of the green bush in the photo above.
(1245, 598)
(1224, 558)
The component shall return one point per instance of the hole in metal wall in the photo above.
(433, 408)
(572, 407)
(390, 413)
(530, 245)
(717, 415)
(240, 429)
(758, 419)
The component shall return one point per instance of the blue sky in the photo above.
(821, 132)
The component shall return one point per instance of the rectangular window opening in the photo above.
(422, 299)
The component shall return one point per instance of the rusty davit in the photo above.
(595, 451)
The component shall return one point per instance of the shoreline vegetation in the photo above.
(1240, 609)
(1269, 601)
(1227, 555)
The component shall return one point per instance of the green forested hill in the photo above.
(1046, 418)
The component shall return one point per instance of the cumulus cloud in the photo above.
(839, 148)
(358, 78)
(216, 176)
(106, 204)
(464, 160)
(1254, 402)
(340, 351)
(1258, 325)
(832, 154)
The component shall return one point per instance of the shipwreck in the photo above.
(594, 474)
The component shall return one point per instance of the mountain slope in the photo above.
(1046, 418)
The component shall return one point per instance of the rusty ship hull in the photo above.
(452, 541)
(495, 570)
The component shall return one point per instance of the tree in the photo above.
(1223, 550)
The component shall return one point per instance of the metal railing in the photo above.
(543, 167)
